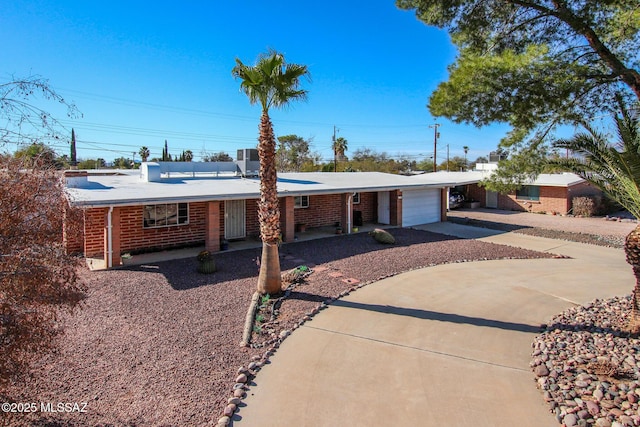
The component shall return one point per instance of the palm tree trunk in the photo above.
(269, 281)
(632, 250)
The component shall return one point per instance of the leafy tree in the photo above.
(534, 62)
(425, 165)
(217, 157)
(123, 163)
(272, 82)
(339, 146)
(454, 164)
(37, 276)
(37, 153)
(187, 156)
(144, 153)
(92, 164)
(481, 159)
(615, 169)
(293, 153)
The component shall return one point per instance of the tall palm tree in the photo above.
(615, 169)
(466, 150)
(272, 82)
(339, 147)
(144, 153)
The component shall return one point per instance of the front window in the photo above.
(356, 198)
(166, 215)
(301, 202)
(528, 192)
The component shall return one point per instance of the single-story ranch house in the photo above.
(167, 205)
(548, 193)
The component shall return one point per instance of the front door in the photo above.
(234, 219)
(492, 199)
(383, 207)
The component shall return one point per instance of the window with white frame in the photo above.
(166, 215)
(356, 198)
(301, 202)
(528, 192)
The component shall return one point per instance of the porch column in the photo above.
(212, 227)
(287, 218)
(344, 213)
(444, 202)
(115, 238)
(395, 208)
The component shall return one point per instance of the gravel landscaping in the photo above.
(158, 345)
(587, 366)
(604, 231)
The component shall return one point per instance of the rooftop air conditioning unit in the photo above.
(248, 162)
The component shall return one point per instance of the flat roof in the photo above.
(128, 189)
(451, 179)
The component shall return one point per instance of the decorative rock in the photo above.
(229, 409)
(593, 407)
(239, 393)
(570, 420)
(284, 334)
(224, 421)
(234, 400)
(541, 371)
(603, 422)
(598, 394)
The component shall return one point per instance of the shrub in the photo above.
(38, 277)
(584, 206)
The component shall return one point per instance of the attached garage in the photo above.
(420, 207)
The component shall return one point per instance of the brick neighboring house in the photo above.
(549, 193)
(171, 205)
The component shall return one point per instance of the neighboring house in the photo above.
(549, 193)
(172, 204)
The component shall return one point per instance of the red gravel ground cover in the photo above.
(158, 345)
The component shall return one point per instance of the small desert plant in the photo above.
(382, 236)
(206, 263)
(264, 300)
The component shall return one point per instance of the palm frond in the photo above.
(612, 167)
(272, 81)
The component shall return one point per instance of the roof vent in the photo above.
(248, 162)
(150, 172)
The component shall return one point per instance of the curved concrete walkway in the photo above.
(442, 346)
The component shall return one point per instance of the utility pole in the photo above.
(335, 152)
(447, 157)
(436, 134)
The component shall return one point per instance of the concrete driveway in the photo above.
(443, 346)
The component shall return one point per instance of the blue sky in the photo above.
(143, 72)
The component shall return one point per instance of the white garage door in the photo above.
(420, 207)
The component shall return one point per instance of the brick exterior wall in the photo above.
(132, 237)
(136, 238)
(94, 226)
(323, 210)
(368, 206)
(477, 193)
(552, 199)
